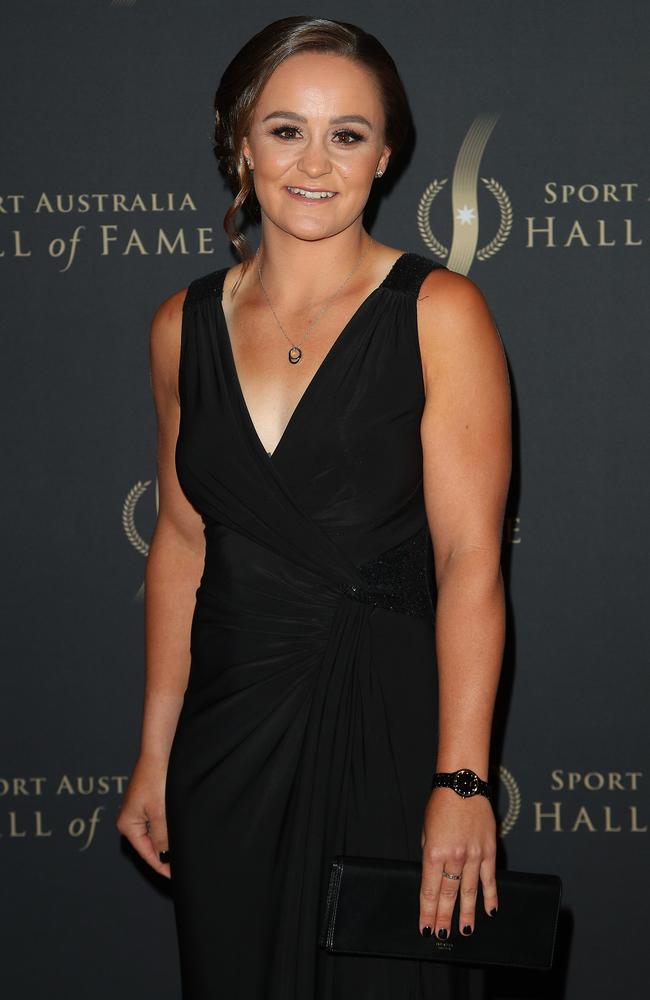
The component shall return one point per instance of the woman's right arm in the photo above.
(172, 575)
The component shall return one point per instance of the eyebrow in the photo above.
(333, 121)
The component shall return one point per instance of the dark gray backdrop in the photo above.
(115, 98)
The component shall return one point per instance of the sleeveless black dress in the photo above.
(309, 723)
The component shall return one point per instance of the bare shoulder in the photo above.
(165, 342)
(456, 326)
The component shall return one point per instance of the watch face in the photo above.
(466, 782)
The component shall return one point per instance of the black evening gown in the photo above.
(309, 723)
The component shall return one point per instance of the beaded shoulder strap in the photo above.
(409, 272)
(205, 287)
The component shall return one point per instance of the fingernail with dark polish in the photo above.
(426, 931)
(442, 933)
(467, 929)
(493, 911)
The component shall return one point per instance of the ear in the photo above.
(385, 157)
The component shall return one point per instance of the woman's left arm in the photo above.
(467, 458)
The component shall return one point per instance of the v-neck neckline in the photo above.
(310, 387)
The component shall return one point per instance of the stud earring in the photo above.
(249, 163)
(378, 173)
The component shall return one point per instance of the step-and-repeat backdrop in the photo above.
(530, 174)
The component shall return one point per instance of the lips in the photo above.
(310, 194)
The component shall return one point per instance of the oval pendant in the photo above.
(295, 355)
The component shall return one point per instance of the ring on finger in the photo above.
(449, 874)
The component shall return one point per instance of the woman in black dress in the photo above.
(333, 463)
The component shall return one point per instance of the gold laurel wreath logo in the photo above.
(128, 517)
(505, 224)
(424, 225)
(514, 801)
(430, 193)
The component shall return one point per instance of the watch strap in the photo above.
(458, 780)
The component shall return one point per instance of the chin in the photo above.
(294, 224)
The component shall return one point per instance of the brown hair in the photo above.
(246, 75)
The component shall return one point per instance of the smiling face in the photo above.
(318, 127)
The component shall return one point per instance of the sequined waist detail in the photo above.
(399, 579)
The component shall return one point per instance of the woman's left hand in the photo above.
(459, 836)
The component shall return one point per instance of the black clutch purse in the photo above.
(373, 908)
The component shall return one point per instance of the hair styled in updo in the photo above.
(246, 75)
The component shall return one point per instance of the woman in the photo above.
(334, 445)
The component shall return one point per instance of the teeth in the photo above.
(312, 194)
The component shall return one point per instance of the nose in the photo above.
(314, 160)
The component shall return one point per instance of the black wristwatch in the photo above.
(464, 781)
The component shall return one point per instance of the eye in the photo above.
(284, 128)
(348, 136)
(356, 137)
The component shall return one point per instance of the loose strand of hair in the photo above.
(242, 247)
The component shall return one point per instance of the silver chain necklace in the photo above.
(295, 354)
